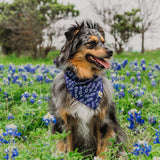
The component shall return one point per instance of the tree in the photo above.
(123, 27)
(121, 24)
(149, 13)
(23, 22)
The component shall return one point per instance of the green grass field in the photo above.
(25, 89)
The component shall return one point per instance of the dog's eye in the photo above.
(92, 44)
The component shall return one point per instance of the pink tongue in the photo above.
(103, 63)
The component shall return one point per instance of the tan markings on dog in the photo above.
(70, 142)
(63, 114)
(94, 38)
(61, 146)
(103, 143)
(103, 113)
(102, 39)
(86, 69)
(75, 33)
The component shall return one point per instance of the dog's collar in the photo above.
(88, 91)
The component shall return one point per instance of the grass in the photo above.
(149, 56)
(36, 141)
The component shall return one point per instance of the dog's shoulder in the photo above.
(58, 83)
(108, 89)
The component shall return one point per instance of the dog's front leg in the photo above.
(102, 140)
(68, 127)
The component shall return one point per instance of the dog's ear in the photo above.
(72, 32)
(100, 29)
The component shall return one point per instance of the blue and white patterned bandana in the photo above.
(88, 91)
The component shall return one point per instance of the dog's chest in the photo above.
(84, 115)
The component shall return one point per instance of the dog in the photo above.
(81, 97)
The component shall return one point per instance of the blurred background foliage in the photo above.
(28, 27)
(22, 25)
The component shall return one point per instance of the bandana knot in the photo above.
(86, 91)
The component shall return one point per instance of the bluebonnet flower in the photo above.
(39, 101)
(124, 63)
(47, 80)
(19, 82)
(118, 66)
(150, 74)
(5, 94)
(114, 77)
(11, 130)
(49, 118)
(10, 116)
(152, 120)
(155, 75)
(5, 81)
(139, 103)
(27, 67)
(23, 99)
(141, 147)
(116, 85)
(1, 76)
(46, 97)
(32, 100)
(2, 140)
(128, 73)
(39, 77)
(12, 68)
(143, 61)
(0, 89)
(153, 83)
(24, 76)
(55, 61)
(15, 78)
(21, 69)
(123, 86)
(141, 92)
(122, 77)
(26, 94)
(143, 67)
(121, 93)
(1, 67)
(11, 151)
(157, 66)
(134, 118)
(135, 68)
(135, 62)
(32, 69)
(139, 78)
(136, 88)
(138, 74)
(9, 77)
(144, 87)
(132, 79)
(135, 94)
(157, 138)
(34, 94)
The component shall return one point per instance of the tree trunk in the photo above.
(142, 45)
(119, 49)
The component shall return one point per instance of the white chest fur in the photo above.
(84, 115)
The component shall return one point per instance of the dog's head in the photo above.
(85, 50)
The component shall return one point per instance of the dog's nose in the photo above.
(110, 53)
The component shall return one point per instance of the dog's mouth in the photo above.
(99, 62)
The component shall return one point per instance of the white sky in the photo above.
(152, 40)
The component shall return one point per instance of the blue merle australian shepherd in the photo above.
(82, 95)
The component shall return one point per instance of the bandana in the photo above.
(88, 91)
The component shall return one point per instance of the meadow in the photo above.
(25, 90)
